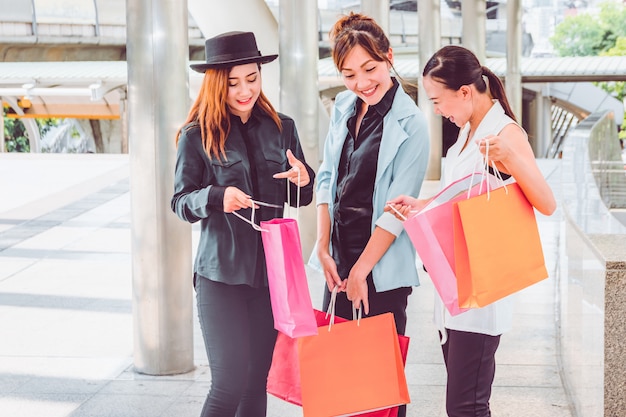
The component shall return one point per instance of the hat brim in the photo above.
(231, 63)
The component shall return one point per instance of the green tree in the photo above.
(15, 135)
(599, 34)
(15, 138)
(588, 34)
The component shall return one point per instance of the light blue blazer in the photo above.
(401, 167)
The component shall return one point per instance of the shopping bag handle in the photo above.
(297, 169)
(485, 174)
(402, 216)
(261, 203)
(331, 309)
(251, 220)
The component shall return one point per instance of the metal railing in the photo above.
(605, 157)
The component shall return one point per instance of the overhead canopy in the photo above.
(566, 69)
(92, 89)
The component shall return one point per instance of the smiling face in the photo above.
(244, 87)
(453, 105)
(366, 77)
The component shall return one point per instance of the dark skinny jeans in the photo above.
(239, 336)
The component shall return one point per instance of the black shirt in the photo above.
(355, 182)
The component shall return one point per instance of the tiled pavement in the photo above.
(66, 323)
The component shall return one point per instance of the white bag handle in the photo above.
(485, 173)
(331, 309)
(251, 221)
(260, 203)
(297, 169)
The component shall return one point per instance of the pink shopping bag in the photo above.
(431, 232)
(289, 290)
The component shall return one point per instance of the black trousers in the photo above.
(471, 365)
(239, 336)
(393, 301)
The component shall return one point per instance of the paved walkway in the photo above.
(66, 323)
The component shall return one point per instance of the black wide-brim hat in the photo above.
(230, 49)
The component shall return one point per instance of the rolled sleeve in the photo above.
(323, 197)
(390, 223)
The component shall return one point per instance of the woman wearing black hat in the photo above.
(233, 155)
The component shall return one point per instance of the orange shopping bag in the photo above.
(351, 368)
(283, 380)
(497, 248)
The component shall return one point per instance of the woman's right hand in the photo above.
(235, 199)
(405, 205)
(330, 273)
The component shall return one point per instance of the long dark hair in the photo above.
(455, 66)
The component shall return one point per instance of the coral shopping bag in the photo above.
(354, 367)
(497, 248)
(430, 231)
(283, 380)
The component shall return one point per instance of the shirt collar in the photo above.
(384, 105)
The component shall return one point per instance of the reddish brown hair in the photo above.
(211, 112)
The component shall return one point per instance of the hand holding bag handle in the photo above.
(261, 203)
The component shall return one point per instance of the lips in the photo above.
(370, 92)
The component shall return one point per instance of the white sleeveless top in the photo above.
(495, 318)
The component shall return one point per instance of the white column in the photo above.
(158, 102)
(513, 80)
(299, 91)
(377, 10)
(474, 15)
(429, 31)
(215, 16)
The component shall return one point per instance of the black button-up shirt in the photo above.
(355, 182)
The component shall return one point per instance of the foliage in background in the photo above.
(599, 34)
(15, 135)
(588, 34)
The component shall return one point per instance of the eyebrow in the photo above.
(246, 76)
(361, 66)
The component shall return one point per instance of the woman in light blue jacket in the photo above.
(377, 148)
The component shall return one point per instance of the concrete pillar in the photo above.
(513, 80)
(299, 93)
(540, 122)
(429, 33)
(474, 35)
(158, 102)
(377, 10)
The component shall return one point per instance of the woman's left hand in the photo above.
(356, 290)
(296, 167)
(499, 150)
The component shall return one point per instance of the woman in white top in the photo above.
(473, 97)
